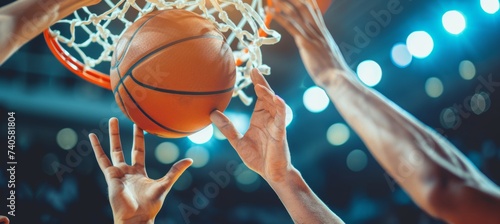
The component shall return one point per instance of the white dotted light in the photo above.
(202, 136)
(420, 44)
(400, 55)
(289, 115)
(356, 160)
(480, 103)
(434, 87)
(240, 121)
(490, 6)
(338, 134)
(200, 156)
(315, 99)
(66, 138)
(449, 118)
(467, 70)
(246, 179)
(167, 152)
(218, 134)
(369, 72)
(454, 22)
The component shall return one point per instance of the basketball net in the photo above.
(246, 33)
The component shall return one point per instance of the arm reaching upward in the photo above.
(134, 197)
(443, 182)
(23, 20)
(264, 149)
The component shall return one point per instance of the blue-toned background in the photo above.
(454, 90)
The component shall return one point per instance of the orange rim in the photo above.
(88, 74)
(101, 79)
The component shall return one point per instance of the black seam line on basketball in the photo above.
(182, 92)
(121, 100)
(150, 54)
(130, 42)
(147, 115)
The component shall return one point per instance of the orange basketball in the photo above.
(170, 70)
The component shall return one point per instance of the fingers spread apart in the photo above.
(174, 173)
(102, 158)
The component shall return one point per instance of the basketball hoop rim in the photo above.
(74, 65)
(102, 79)
(99, 78)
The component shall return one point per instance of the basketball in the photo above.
(170, 70)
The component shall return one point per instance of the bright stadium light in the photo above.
(420, 44)
(315, 99)
(202, 136)
(454, 22)
(490, 6)
(369, 72)
(289, 115)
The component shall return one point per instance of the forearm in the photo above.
(301, 202)
(23, 20)
(415, 156)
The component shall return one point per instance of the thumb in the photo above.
(174, 173)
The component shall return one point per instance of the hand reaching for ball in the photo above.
(264, 147)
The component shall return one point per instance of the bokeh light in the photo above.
(241, 121)
(356, 160)
(454, 22)
(66, 138)
(202, 136)
(315, 99)
(420, 44)
(467, 70)
(434, 87)
(369, 72)
(200, 156)
(167, 152)
(247, 180)
(218, 134)
(449, 117)
(490, 6)
(289, 115)
(400, 55)
(480, 103)
(338, 134)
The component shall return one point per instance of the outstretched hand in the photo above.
(134, 197)
(304, 21)
(264, 147)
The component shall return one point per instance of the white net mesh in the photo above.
(240, 21)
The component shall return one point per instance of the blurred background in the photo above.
(437, 59)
